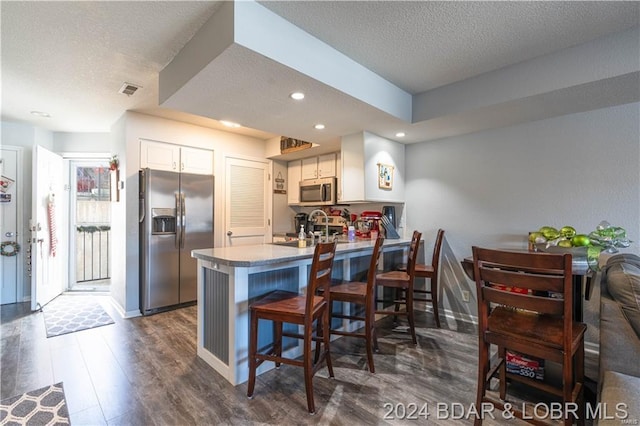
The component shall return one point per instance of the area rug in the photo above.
(67, 314)
(44, 406)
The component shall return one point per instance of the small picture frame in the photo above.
(385, 176)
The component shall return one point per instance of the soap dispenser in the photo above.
(302, 239)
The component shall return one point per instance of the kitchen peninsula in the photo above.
(231, 278)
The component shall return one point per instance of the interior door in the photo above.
(248, 202)
(48, 224)
(10, 206)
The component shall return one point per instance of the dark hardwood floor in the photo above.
(145, 371)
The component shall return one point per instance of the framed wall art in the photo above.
(385, 176)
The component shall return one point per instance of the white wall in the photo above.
(127, 134)
(64, 142)
(492, 187)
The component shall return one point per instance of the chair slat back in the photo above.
(320, 276)
(413, 253)
(373, 268)
(435, 260)
(538, 282)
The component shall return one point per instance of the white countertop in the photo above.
(265, 254)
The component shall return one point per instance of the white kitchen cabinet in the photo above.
(294, 176)
(159, 156)
(309, 168)
(319, 167)
(361, 157)
(175, 158)
(326, 165)
(196, 161)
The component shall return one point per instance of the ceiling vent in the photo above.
(129, 89)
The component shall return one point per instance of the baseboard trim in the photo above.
(124, 314)
(456, 316)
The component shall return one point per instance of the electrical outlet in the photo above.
(466, 296)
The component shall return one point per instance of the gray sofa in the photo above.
(619, 381)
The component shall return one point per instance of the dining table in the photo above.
(581, 277)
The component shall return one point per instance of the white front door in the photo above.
(48, 224)
(13, 244)
(248, 202)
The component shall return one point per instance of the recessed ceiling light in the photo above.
(400, 135)
(41, 114)
(319, 126)
(229, 123)
(297, 96)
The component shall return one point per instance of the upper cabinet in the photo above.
(319, 167)
(294, 176)
(196, 161)
(175, 158)
(159, 156)
(372, 169)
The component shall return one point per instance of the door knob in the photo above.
(229, 233)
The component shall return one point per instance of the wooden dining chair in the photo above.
(360, 294)
(402, 282)
(536, 321)
(430, 292)
(305, 310)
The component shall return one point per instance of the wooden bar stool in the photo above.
(402, 281)
(429, 294)
(528, 323)
(281, 306)
(361, 294)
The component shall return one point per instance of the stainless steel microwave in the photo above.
(318, 192)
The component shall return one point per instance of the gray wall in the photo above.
(492, 187)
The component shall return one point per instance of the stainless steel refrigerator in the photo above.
(176, 216)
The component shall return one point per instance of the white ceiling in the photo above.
(70, 58)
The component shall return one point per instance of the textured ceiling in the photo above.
(423, 45)
(70, 58)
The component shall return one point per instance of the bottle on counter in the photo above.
(302, 239)
(351, 233)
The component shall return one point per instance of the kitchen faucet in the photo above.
(326, 223)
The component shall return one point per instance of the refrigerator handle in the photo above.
(142, 194)
(178, 220)
(183, 219)
(141, 210)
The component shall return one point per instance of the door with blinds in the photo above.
(248, 202)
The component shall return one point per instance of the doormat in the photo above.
(44, 406)
(67, 314)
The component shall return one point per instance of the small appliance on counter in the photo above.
(368, 224)
(301, 219)
(390, 213)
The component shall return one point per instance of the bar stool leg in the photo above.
(308, 371)
(253, 348)
(327, 342)
(434, 301)
(277, 340)
(410, 317)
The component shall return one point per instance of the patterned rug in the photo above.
(67, 314)
(45, 406)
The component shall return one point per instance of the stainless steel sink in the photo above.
(294, 243)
